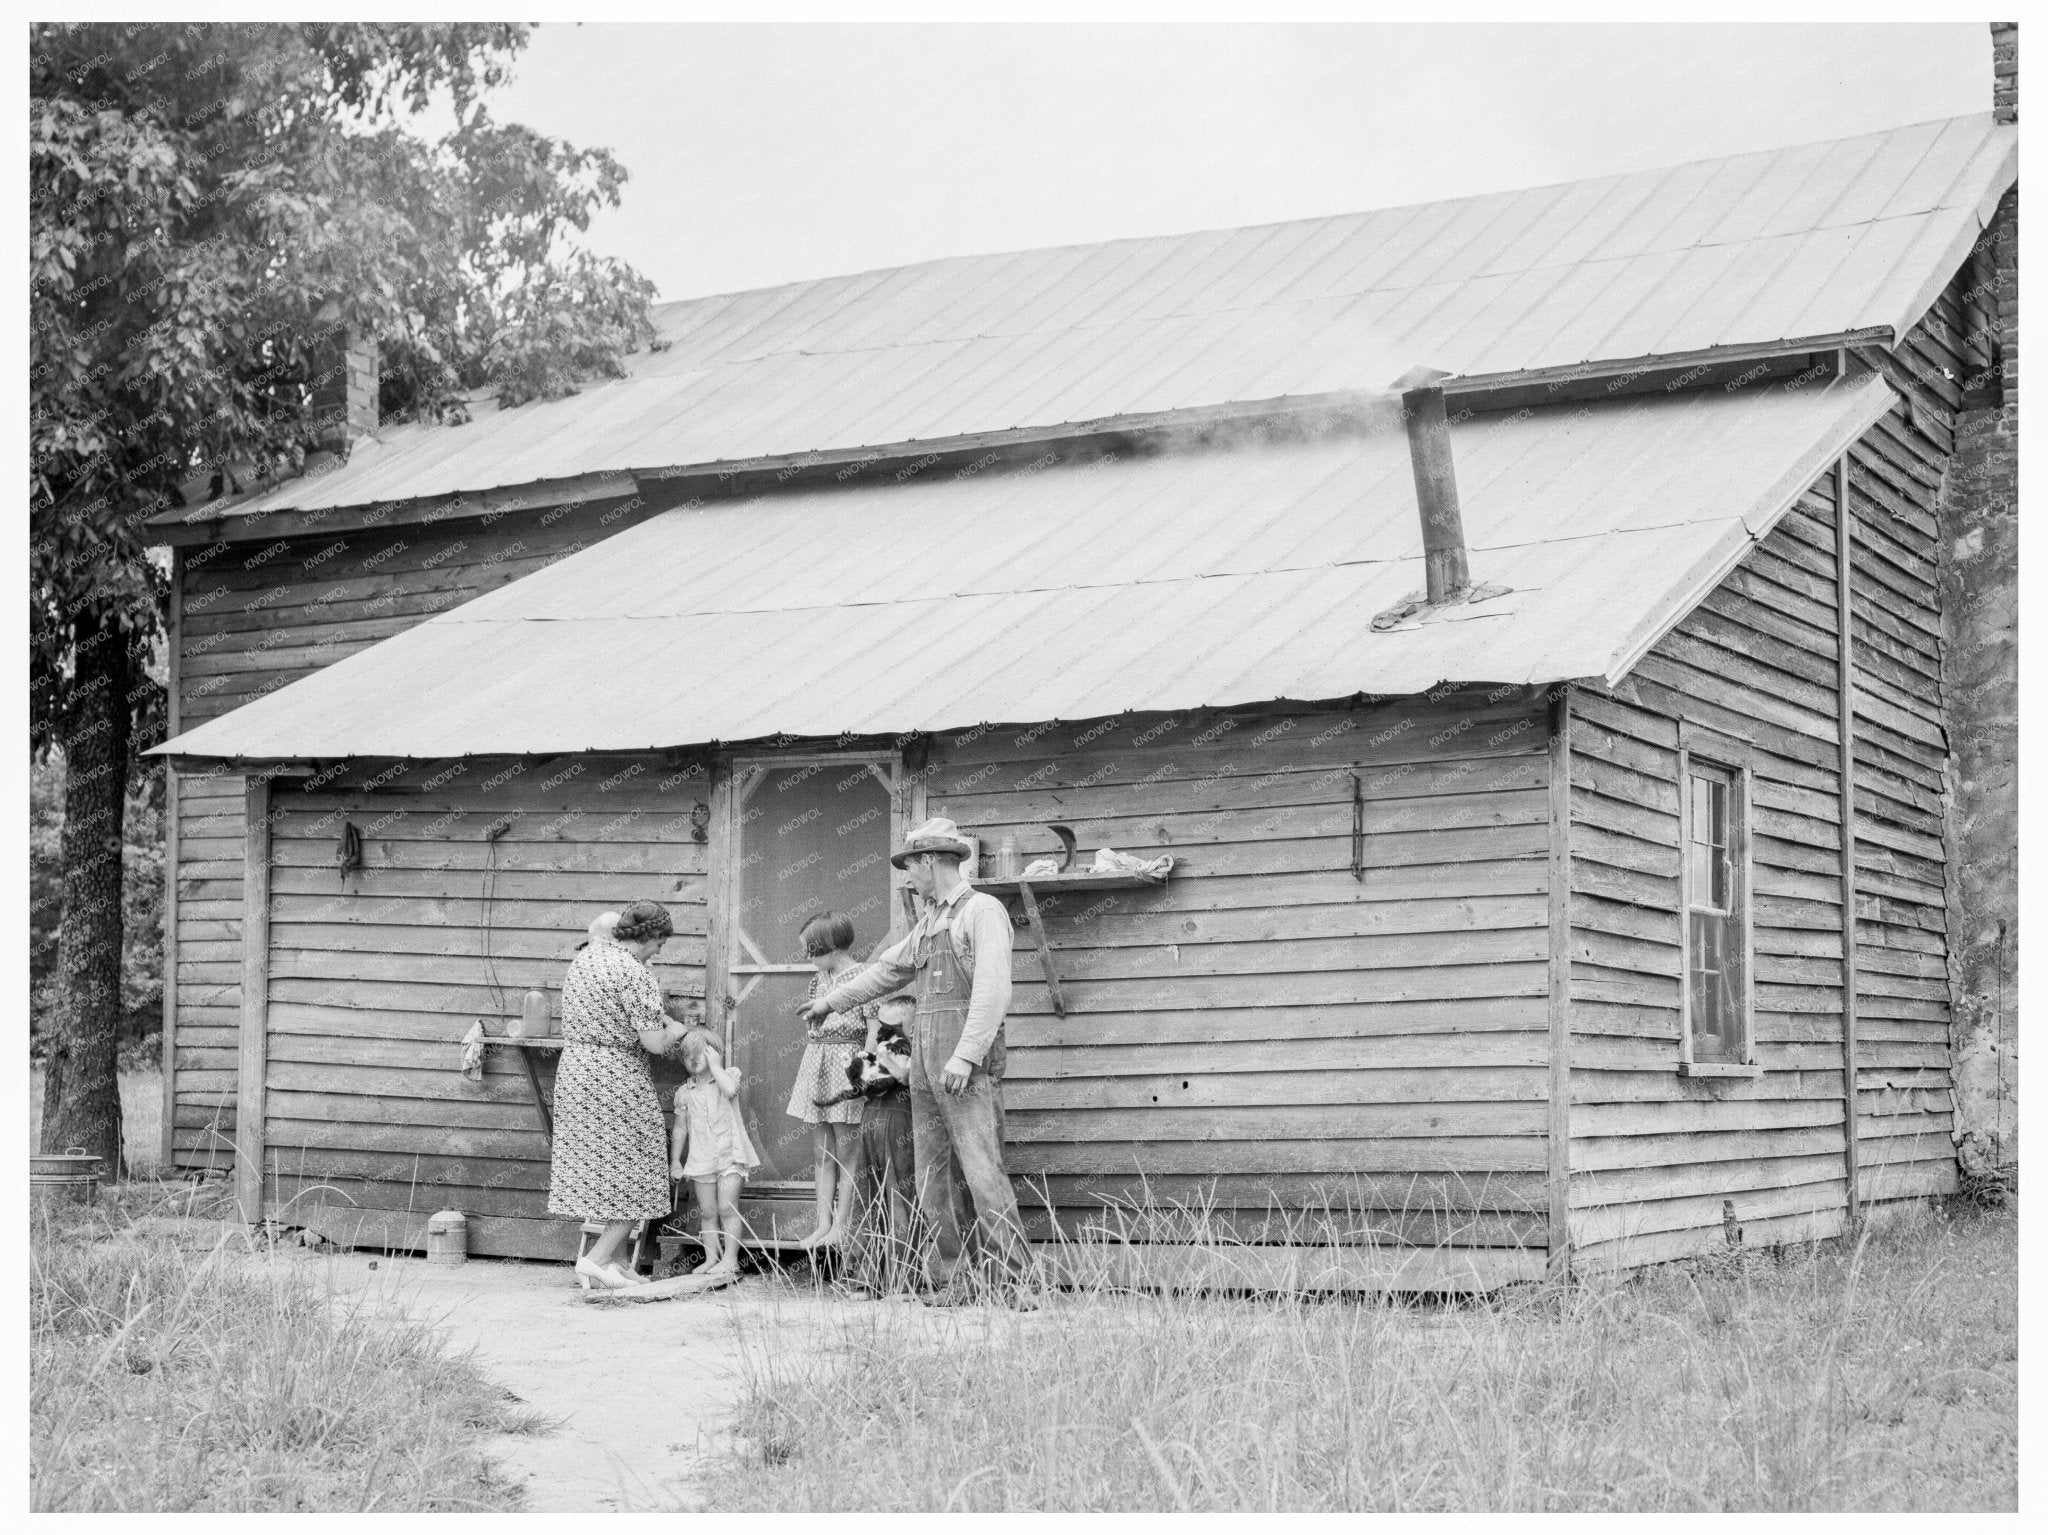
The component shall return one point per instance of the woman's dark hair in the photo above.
(826, 933)
(642, 920)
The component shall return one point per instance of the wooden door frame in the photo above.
(731, 784)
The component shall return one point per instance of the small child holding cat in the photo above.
(886, 1147)
(710, 1148)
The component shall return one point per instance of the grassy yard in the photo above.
(174, 1371)
(1882, 1376)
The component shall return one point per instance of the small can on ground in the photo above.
(448, 1237)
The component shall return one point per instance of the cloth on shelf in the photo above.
(1038, 868)
(473, 1052)
(1109, 861)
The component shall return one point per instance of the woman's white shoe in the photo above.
(608, 1275)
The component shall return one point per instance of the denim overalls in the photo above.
(943, 991)
(958, 1136)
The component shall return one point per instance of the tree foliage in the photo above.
(213, 207)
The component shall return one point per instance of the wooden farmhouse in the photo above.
(1520, 618)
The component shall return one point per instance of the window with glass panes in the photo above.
(1716, 930)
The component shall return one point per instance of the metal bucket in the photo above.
(63, 1177)
(448, 1237)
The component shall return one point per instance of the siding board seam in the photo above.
(1559, 1262)
(255, 1038)
(1846, 703)
(167, 1151)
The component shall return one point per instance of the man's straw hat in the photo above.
(938, 835)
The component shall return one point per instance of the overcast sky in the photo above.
(766, 153)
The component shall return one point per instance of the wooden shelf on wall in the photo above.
(1073, 881)
(523, 1045)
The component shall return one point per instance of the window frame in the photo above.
(1735, 759)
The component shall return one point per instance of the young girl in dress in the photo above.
(710, 1148)
(827, 940)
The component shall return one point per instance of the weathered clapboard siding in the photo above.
(252, 617)
(207, 1005)
(1268, 1038)
(374, 979)
(1653, 1154)
(1759, 662)
(257, 617)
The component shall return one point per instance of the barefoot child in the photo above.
(710, 1148)
(829, 1045)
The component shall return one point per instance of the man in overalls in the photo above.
(958, 955)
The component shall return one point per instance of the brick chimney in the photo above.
(1978, 571)
(345, 390)
(2005, 71)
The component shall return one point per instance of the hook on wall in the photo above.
(349, 853)
(1357, 829)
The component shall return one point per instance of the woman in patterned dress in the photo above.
(610, 1158)
(835, 1129)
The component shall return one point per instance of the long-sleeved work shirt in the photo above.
(981, 934)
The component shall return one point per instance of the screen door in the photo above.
(808, 835)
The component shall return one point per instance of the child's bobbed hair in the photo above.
(826, 932)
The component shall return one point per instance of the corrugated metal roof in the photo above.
(1810, 241)
(1192, 578)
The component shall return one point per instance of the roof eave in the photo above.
(1755, 527)
(1967, 233)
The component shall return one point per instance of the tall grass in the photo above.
(1879, 1375)
(163, 1378)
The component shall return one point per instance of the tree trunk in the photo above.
(82, 1092)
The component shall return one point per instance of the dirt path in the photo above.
(639, 1392)
(636, 1393)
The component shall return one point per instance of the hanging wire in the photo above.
(491, 836)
